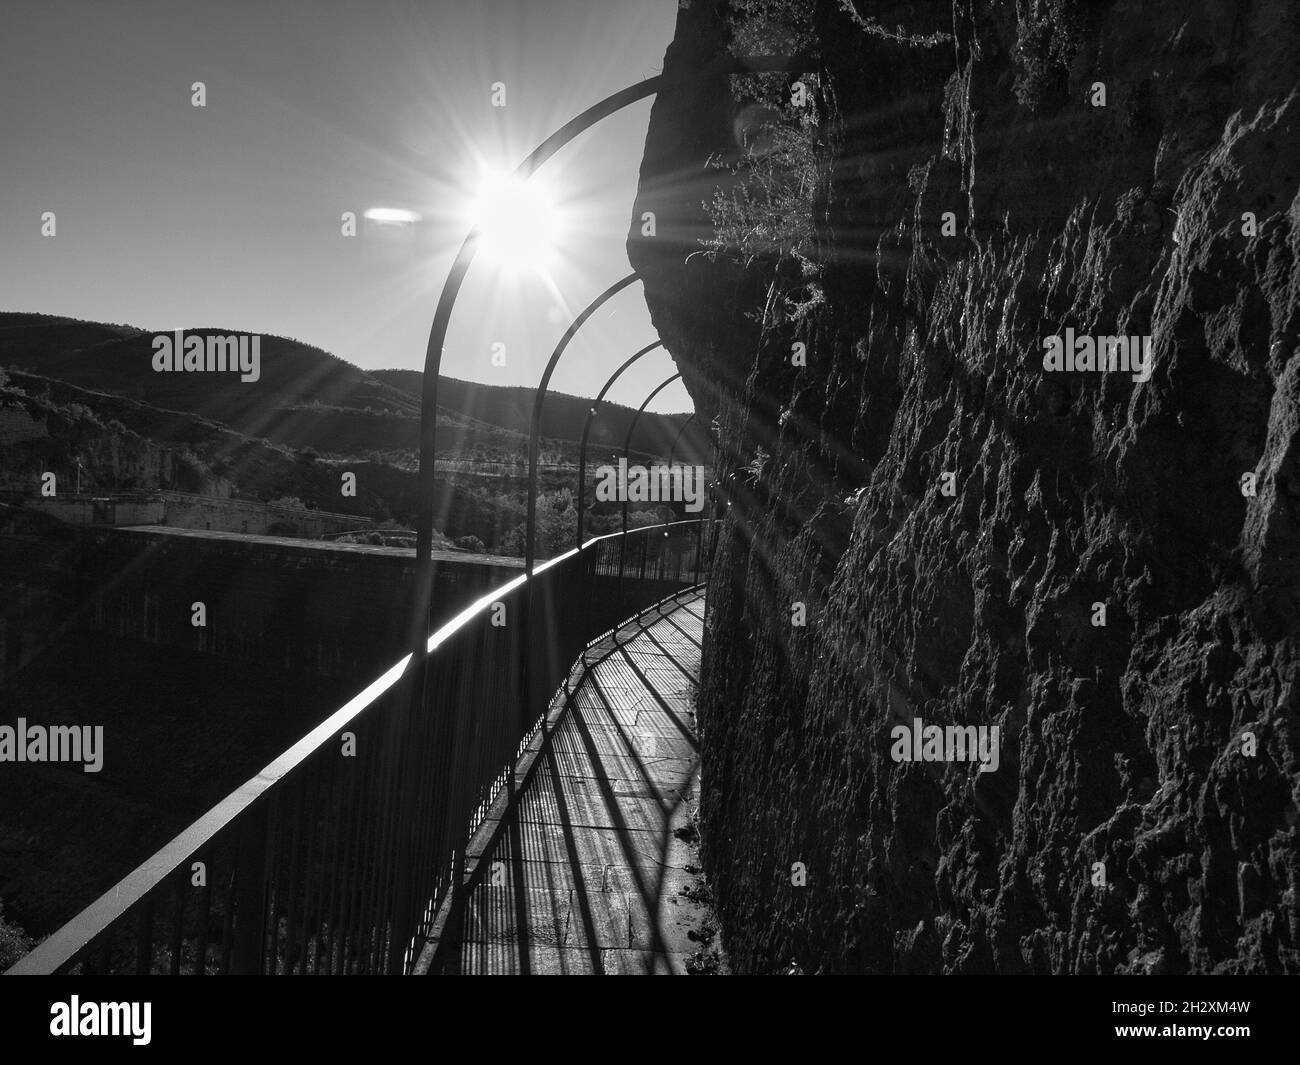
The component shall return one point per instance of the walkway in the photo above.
(596, 870)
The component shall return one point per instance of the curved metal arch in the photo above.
(591, 417)
(539, 397)
(460, 266)
(627, 444)
(677, 439)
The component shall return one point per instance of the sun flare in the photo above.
(519, 222)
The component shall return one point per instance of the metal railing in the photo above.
(336, 857)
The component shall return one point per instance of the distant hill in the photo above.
(306, 397)
(82, 400)
(563, 415)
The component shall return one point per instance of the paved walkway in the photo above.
(595, 869)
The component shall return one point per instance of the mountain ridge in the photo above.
(309, 397)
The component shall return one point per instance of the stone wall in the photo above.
(950, 515)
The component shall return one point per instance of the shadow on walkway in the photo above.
(586, 872)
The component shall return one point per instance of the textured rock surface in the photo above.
(1121, 744)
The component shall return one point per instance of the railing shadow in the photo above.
(577, 870)
(340, 854)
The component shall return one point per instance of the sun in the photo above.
(519, 221)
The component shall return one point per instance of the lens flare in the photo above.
(519, 222)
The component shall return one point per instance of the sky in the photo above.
(230, 215)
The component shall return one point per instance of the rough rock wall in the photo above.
(1143, 816)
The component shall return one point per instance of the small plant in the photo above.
(1049, 34)
(873, 26)
(707, 962)
(768, 208)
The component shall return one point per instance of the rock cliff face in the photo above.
(930, 194)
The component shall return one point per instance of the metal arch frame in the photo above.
(677, 439)
(539, 398)
(627, 450)
(460, 267)
(591, 417)
(627, 443)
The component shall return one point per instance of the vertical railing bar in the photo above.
(354, 844)
(144, 938)
(453, 823)
(275, 861)
(312, 880)
(369, 874)
(275, 858)
(228, 915)
(353, 848)
(424, 875)
(336, 850)
(205, 911)
(278, 860)
(360, 913)
(250, 893)
(428, 867)
(401, 888)
(338, 863)
(367, 828)
(298, 797)
(377, 897)
(178, 922)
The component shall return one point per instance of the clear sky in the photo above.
(229, 215)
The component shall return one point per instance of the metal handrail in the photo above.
(305, 863)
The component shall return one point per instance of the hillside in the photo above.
(82, 400)
(306, 397)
